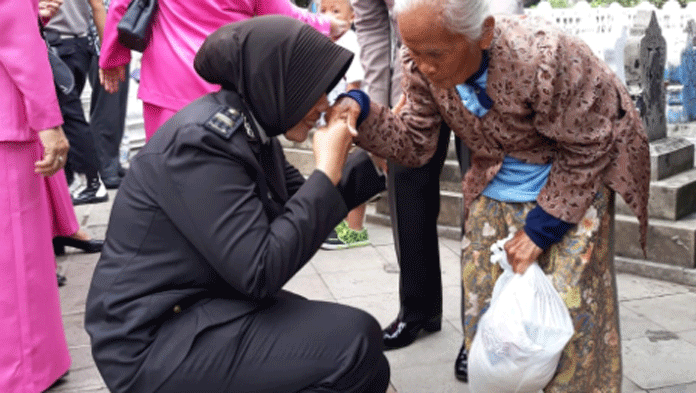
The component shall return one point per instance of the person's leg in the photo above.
(293, 345)
(34, 352)
(82, 156)
(414, 204)
(356, 217)
(581, 269)
(461, 365)
(107, 124)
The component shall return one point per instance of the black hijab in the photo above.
(278, 65)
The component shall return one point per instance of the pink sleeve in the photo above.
(24, 57)
(113, 54)
(285, 7)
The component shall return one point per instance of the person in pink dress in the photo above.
(168, 81)
(34, 353)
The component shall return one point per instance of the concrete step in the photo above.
(668, 242)
(450, 208)
(671, 199)
(670, 156)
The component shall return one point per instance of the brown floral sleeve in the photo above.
(409, 138)
(576, 105)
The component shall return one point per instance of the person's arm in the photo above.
(113, 53)
(24, 58)
(578, 109)
(372, 26)
(294, 178)
(285, 7)
(48, 9)
(215, 203)
(409, 137)
(99, 16)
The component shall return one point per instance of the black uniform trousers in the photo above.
(414, 205)
(291, 345)
(107, 120)
(77, 53)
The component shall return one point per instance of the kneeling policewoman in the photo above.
(211, 221)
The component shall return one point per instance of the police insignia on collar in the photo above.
(225, 121)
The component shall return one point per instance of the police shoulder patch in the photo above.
(225, 122)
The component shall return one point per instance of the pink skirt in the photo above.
(34, 352)
(63, 219)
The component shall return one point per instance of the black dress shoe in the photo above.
(400, 334)
(112, 182)
(89, 194)
(88, 246)
(461, 367)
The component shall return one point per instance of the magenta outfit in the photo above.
(168, 81)
(63, 219)
(33, 349)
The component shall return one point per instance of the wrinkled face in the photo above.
(299, 132)
(445, 58)
(341, 9)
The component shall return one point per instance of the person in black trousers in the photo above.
(67, 33)
(414, 193)
(107, 123)
(211, 221)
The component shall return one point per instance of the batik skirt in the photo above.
(580, 267)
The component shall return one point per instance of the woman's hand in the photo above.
(345, 110)
(48, 8)
(55, 153)
(110, 78)
(331, 145)
(521, 252)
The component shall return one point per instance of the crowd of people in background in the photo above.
(542, 155)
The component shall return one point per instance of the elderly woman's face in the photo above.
(445, 58)
(299, 132)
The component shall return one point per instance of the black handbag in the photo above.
(134, 28)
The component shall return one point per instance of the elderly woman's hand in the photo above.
(331, 145)
(55, 146)
(521, 252)
(345, 110)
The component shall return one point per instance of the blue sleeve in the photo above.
(545, 229)
(363, 100)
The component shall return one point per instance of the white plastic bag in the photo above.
(519, 339)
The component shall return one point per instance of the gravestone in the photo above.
(688, 76)
(645, 56)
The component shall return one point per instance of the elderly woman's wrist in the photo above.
(362, 99)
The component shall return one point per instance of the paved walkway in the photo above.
(658, 319)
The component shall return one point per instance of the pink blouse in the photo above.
(168, 79)
(28, 100)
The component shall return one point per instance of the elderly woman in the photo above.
(211, 221)
(552, 133)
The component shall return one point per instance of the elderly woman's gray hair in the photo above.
(459, 16)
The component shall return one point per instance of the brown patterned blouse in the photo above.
(554, 101)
